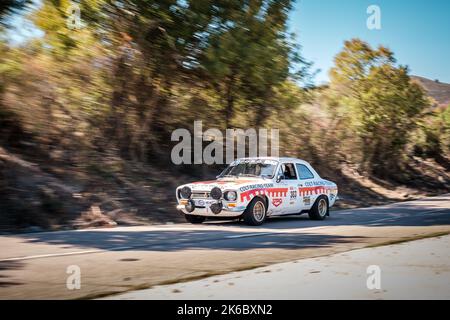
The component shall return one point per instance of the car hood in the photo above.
(239, 184)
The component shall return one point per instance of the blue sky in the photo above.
(418, 32)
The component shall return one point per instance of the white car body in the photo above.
(287, 196)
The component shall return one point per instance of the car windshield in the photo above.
(250, 168)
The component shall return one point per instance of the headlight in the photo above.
(231, 195)
(185, 192)
(216, 193)
(216, 208)
(190, 206)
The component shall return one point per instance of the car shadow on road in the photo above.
(201, 238)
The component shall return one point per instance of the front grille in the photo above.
(200, 195)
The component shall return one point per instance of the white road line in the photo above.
(381, 220)
(421, 213)
(62, 254)
(50, 255)
(251, 235)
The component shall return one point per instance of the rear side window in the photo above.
(303, 172)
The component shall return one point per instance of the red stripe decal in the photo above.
(270, 192)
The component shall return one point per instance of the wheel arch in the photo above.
(262, 197)
(324, 195)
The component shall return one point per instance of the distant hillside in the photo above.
(440, 91)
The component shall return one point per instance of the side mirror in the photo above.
(279, 178)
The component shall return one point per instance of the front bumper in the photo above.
(227, 212)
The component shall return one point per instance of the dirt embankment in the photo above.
(38, 196)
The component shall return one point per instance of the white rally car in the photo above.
(256, 188)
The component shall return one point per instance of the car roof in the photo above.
(281, 159)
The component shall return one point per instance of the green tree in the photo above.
(8, 7)
(249, 54)
(383, 104)
(434, 135)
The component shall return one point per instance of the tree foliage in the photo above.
(138, 69)
(8, 7)
(382, 104)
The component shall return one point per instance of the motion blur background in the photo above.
(86, 113)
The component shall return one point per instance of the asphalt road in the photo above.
(129, 258)
(410, 270)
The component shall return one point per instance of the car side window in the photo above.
(289, 171)
(303, 172)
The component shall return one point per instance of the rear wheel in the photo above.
(194, 219)
(320, 210)
(255, 214)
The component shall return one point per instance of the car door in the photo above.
(276, 195)
(293, 201)
(306, 186)
(285, 199)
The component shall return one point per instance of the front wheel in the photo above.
(255, 214)
(194, 219)
(320, 209)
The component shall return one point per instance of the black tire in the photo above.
(194, 219)
(317, 212)
(251, 217)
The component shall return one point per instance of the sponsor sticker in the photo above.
(307, 201)
(256, 186)
(277, 202)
